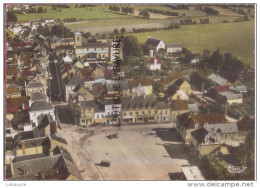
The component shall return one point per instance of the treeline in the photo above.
(125, 10)
(178, 7)
(163, 12)
(188, 21)
(69, 19)
(209, 10)
(37, 10)
(171, 26)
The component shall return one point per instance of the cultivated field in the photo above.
(138, 154)
(88, 13)
(237, 38)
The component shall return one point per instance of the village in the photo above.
(60, 107)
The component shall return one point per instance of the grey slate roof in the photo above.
(8, 124)
(30, 143)
(174, 45)
(41, 105)
(152, 42)
(217, 79)
(34, 166)
(75, 80)
(138, 102)
(87, 104)
(34, 85)
(37, 96)
(222, 128)
(231, 96)
(124, 85)
(162, 105)
(193, 107)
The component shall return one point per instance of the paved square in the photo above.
(138, 154)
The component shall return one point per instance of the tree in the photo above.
(40, 29)
(145, 13)
(123, 30)
(40, 9)
(216, 60)
(131, 47)
(11, 17)
(115, 31)
(46, 30)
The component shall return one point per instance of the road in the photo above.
(54, 82)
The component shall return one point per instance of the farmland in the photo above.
(236, 38)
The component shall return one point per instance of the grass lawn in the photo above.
(236, 38)
(98, 12)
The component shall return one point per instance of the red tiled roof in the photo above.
(12, 71)
(26, 73)
(222, 88)
(142, 81)
(21, 44)
(101, 87)
(151, 61)
(171, 78)
(179, 105)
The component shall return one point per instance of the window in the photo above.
(225, 136)
(124, 114)
(143, 112)
(136, 113)
(149, 112)
(83, 121)
(97, 116)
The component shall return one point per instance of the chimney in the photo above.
(30, 102)
(155, 60)
(144, 96)
(12, 166)
(23, 106)
(23, 147)
(25, 84)
(77, 99)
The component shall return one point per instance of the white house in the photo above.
(155, 44)
(39, 108)
(112, 111)
(173, 47)
(154, 64)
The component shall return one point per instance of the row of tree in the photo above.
(125, 10)
(178, 7)
(163, 12)
(209, 10)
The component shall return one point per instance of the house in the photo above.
(177, 108)
(173, 47)
(13, 93)
(100, 114)
(187, 123)
(170, 80)
(239, 89)
(82, 111)
(139, 109)
(230, 98)
(163, 112)
(202, 142)
(38, 108)
(218, 79)
(34, 86)
(155, 44)
(123, 86)
(183, 85)
(113, 111)
(154, 64)
(32, 146)
(173, 94)
(17, 104)
(208, 138)
(54, 167)
(141, 86)
(71, 82)
(37, 96)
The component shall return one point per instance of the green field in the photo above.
(98, 12)
(236, 38)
